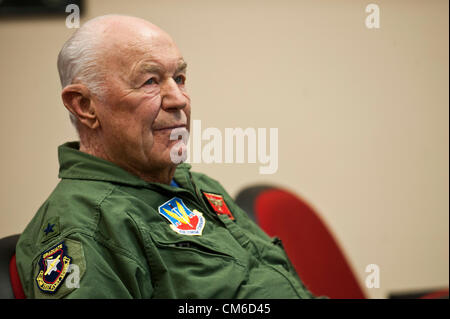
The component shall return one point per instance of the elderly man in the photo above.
(126, 221)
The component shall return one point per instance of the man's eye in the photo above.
(180, 79)
(150, 81)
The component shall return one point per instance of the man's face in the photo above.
(145, 100)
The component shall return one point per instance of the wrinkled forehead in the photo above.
(134, 51)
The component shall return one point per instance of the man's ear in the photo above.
(78, 100)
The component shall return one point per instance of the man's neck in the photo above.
(163, 176)
(160, 175)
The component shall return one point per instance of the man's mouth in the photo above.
(169, 127)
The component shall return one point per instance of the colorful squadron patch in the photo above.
(218, 204)
(183, 220)
(53, 267)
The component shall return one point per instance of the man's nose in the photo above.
(172, 96)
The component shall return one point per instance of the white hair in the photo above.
(78, 60)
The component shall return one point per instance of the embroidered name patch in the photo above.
(218, 204)
(53, 267)
(182, 220)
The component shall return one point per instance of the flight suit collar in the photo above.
(74, 164)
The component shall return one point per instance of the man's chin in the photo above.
(166, 159)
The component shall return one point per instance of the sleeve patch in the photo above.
(58, 272)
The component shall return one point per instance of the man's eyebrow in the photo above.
(155, 68)
(150, 68)
(182, 66)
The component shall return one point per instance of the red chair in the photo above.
(438, 294)
(311, 247)
(10, 285)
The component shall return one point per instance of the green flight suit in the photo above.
(110, 225)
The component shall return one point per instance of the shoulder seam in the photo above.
(100, 239)
(98, 205)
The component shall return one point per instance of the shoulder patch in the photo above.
(56, 269)
(53, 266)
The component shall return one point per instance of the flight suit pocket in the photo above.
(199, 270)
(298, 283)
(194, 246)
(288, 264)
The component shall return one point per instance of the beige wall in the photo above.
(362, 115)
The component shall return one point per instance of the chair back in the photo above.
(310, 245)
